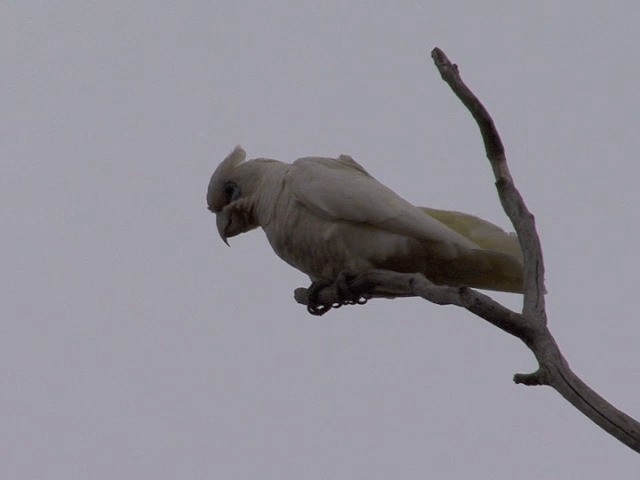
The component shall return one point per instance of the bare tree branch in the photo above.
(531, 325)
(512, 202)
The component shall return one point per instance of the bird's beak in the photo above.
(222, 221)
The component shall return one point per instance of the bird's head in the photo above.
(229, 195)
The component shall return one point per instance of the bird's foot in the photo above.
(314, 307)
(345, 293)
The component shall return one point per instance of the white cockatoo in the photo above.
(326, 216)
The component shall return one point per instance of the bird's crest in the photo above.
(216, 198)
(235, 158)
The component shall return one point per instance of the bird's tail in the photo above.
(495, 265)
(485, 234)
(485, 269)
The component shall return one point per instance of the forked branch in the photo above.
(530, 326)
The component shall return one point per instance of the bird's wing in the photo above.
(487, 235)
(341, 190)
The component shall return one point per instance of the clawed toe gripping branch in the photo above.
(322, 296)
(530, 326)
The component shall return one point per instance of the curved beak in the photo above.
(222, 221)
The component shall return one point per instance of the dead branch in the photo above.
(531, 325)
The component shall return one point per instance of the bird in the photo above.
(327, 216)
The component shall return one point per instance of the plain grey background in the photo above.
(135, 344)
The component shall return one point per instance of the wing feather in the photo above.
(487, 235)
(342, 190)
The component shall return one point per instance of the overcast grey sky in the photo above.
(135, 344)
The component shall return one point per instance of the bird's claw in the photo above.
(313, 293)
(345, 293)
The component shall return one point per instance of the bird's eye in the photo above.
(232, 191)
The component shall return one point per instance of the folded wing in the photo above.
(342, 190)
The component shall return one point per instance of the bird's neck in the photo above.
(270, 176)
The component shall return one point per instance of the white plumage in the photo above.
(325, 216)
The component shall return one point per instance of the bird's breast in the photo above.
(322, 248)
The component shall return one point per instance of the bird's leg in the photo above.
(314, 307)
(347, 295)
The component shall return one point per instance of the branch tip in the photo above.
(531, 379)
